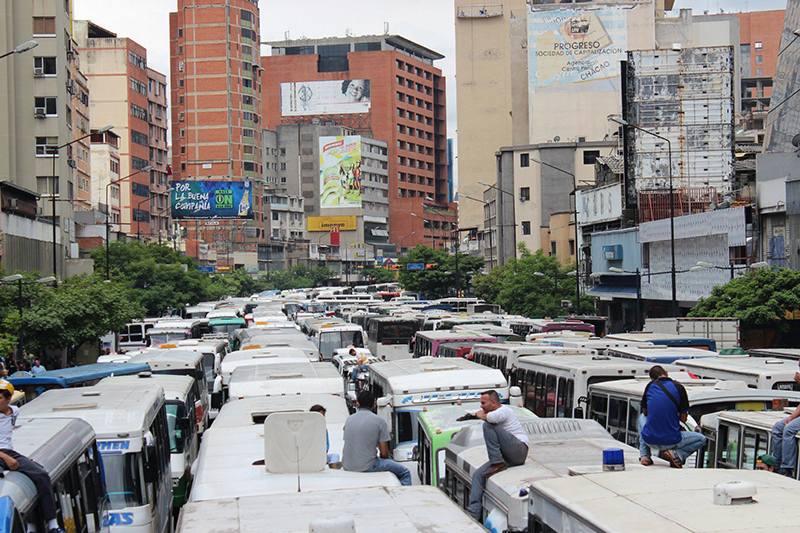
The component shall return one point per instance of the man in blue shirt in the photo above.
(666, 405)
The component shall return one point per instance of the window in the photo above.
(139, 112)
(759, 45)
(48, 103)
(590, 156)
(180, 32)
(46, 184)
(114, 166)
(759, 72)
(249, 166)
(759, 60)
(180, 83)
(524, 160)
(138, 86)
(247, 100)
(44, 66)
(526, 227)
(139, 138)
(525, 193)
(248, 83)
(138, 163)
(44, 25)
(137, 60)
(553, 248)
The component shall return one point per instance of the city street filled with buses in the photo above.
(231, 418)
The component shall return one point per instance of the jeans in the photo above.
(691, 441)
(784, 446)
(644, 449)
(387, 465)
(502, 447)
(40, 478)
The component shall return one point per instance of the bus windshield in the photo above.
(397, 332)
(123, 475)
(331, 341)
(225, 328)
(175, 411)
(157, 339)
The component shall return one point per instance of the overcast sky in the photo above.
(428, 22)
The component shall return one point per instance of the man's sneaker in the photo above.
(494, 468)
(645, 461)
(786, 472)
(672, 457)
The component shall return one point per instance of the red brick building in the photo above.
(216, 103)
(760, 37)
(401, 102)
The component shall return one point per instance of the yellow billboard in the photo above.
(344, 222)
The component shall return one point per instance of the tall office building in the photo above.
(116, 68)
(216, 108)
(37, 114)
(783, 118)
(383, 87)
(159, 161)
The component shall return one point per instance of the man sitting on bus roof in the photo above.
(364, 433)
(506, 445)
(11, 460)
(784, 443)
(666, 404)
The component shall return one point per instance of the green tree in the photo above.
(534, 285)
(79, 311)
(439, 281)
(32, 293)
(379, 275)
(760, 298)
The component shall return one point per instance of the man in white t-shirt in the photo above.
(11, 460)
(506, 445)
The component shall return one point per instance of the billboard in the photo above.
(211, 199)
(344, 223)
(600, 204)
(333, 97)
(567, 46)
(340, 171)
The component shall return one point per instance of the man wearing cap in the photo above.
(11, 460)
(766, 462)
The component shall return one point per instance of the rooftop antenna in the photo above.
(386, 28)
(286, 36)
(347, 32)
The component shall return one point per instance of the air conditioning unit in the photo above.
(13, 203)
(581, 139)
(39, 112)
(523, 198)
(71, 86)
(38, 72)
(72, 163)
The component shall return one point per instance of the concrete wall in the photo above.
(631, 250)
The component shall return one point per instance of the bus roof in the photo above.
(226, 321)
(758, 419)
(110, 410)
(659, 353)
(285, 378)
(663, 499)
(65, 377)
(170, 358)
(385, 510)
(252, 411)
(644, 336)
(781, 353)
(446, 334)
(753, 366)
(433, 373)
(175, 387)
(585, 362)
(527, 348)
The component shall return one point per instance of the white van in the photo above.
(133, 440)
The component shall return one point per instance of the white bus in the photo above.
(277, 353)
(389, 337)
(736, 439)
(616, 404)
(558, 385)
(133, 440)
(176, 362)
(503, 356)
(260, 446)
(665, 499)
(380, 510)
(404, 388)
(658, 354)
(601, 345)
(329, 337)
(757, 372)
(557, 448)
(184, 442)
(67, 450)
(284, 378)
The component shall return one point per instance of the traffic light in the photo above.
(430, 266)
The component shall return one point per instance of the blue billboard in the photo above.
(212, 199)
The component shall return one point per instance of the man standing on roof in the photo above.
(506, 445)
(666, 404)
(11, 460)
(364, 434)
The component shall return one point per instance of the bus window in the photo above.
(530, 393)
(502, 364)
(728, 448)
(550, 396)
(634, 408)
(124, 474)
(617, 418)
(406, 423)
(540, 395)
(570, 397)
(561, 404)
(755, 444)
(599, 409)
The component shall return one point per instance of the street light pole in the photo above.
(108, 217)
(24, 47)
(673, 277)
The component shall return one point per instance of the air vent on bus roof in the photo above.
(774, 361)
(734, 493)
(285, 375)
(75, 406)
(438, 368)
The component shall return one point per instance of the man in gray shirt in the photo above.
(364, 434)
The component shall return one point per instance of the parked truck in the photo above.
(723, 330)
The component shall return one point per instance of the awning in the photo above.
(606, 292)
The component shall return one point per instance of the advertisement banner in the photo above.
(344, 223)
(438, 210)
(600, 204)
(569, 46)
(334, 97)
(340, 171)
(211, 199)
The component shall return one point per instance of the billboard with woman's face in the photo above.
(335, 97)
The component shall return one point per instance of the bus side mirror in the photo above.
(216, 400)
(183, 423)
(577, 412)
(151, 465)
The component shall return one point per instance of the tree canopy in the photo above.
(759, 298)
(441, 280)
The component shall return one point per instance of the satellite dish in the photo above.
(796, 141)
(556, 139)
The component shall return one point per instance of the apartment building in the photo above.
(157, 111)
(381, 87)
